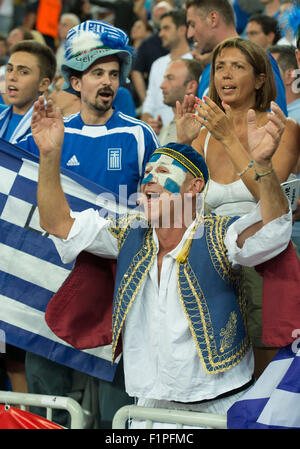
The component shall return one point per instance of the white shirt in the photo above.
(285, 41)
(154, 101)
(7, 8)
(160, 357)
(168, 133)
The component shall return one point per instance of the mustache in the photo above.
(105, 90)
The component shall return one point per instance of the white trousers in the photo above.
(217, 406)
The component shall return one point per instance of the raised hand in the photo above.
(264, 141)
(216, 121)
(187, 127)
(47, 126)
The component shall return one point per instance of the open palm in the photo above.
(264, 141)
(47, 127)
(187, 127)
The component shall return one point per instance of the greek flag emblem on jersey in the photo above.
(114, 159)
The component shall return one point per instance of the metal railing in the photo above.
(178, 417)
(48, 402)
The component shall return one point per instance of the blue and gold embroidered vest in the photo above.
(209, 289)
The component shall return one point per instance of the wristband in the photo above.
(245, 169)
(260, 175)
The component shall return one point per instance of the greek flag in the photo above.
(274, 400)
(30, 268)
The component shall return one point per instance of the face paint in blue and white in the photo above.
(166, 172)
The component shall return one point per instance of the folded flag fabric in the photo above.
(273, 402)
(88, 326)
(14, 418)
(281, 298)
(31, 271)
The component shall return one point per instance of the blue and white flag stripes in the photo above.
(30, 268)
(274, 400)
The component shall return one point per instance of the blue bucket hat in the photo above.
(91, 40)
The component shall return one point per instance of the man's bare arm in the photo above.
(48, 132)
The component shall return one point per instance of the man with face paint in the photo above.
(171, 179)
(178, 304)
(163, 188)
(101, 144)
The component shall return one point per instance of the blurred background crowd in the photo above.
(49, 21)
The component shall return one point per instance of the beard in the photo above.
(171, 100)
(101, 104)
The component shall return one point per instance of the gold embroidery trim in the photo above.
(216, 228)
(200, 308)
(120, 227)
(137, 262)
(210, 356)
(228, 333)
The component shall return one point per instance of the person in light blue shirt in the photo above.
(294, 110)
(29, 72)
(285, 56)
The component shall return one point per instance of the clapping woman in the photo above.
(241, 83)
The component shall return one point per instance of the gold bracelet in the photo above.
(245, 169)
(260, 175)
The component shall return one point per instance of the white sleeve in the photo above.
(89, 233)
(149, 104)
(265, 244)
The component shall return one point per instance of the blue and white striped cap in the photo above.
(91, 40)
